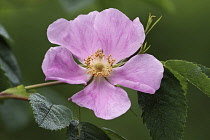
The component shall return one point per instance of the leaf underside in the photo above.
(48, 115)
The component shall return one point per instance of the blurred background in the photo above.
(183, 33)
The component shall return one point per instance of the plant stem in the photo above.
(133, 112)
(43, 85)
(5, 95)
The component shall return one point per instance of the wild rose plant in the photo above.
(101, 41)
(106, 51)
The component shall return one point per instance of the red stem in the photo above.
(7, 95)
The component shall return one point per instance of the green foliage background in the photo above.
(183, 33)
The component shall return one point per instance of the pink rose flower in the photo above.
(100, 40)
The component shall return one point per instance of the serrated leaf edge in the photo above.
(173, 71)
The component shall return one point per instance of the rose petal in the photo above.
(142, 72)
(58, 31)
(106, 100)
(78, 35)
(120, 37)
(59, 65)
(83, 38)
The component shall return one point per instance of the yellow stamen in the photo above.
(99, 65)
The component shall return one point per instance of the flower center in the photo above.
(99, 65)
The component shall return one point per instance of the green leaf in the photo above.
(73, 132)
(88, 131)
(181, 79)
(8, 62)
(4, 81)
(205, 70)
(196, 74)
(165, 112)
(48, 115)
(112, 135)
(18, 91)
(4, 34)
